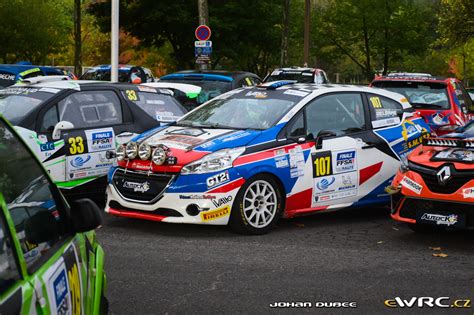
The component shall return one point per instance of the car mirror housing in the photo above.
(321, 135)
(86, 215)
(60, 126)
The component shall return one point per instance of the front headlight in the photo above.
(132, 150)
(214, 162)
(120, 152)
(144, 151)
(159, 156)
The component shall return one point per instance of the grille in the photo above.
(456, 181)
(160, 211)
(410, 206)
(140, 186)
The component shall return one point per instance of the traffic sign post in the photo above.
(203, 46)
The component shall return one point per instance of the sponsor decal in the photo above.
(257, 94)
(215, 214)
(468, 192)
(239, 134)
(217, 179)
(296, 161)
(193, 132)
(49, 90)
(381, 113)
(60, 288)
(385, 122)
(439, 118)
(281, 161)
(197, 197)
(346, 183)
(48, 146)
(19, 90)
(463, 155)
(222, 201)
(335, 195)
(101, 141)
(137, 187)
(296, 92)
(79, 161)
(181, 140)
(345, 162)
(4, 76)
(439, 219)
(146, 89)
(279, 152)
(411, 185)
(325, 183)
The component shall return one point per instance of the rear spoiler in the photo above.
(447, 142)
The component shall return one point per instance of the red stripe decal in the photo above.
(270, 153)
(299, 200)
(228, 187)
(369, 172)
(136, 215)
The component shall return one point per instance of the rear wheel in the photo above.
(257, 207)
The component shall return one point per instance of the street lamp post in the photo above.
(114, 53)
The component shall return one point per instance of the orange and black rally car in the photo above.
(434, 189)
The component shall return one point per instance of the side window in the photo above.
(384, 111)
(296, 126)
(342, 113)
(50, 119)
(9, 272)
(464, 97)
(91, 109)
(28, 195)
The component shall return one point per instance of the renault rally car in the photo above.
(253, 155)
(71, 124)
(443, 102)
(50, 261)
(435, 189)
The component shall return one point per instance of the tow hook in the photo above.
(391, 190)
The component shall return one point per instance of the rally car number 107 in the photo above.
(253, 155)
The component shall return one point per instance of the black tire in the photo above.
(242, 219)
(424, 228)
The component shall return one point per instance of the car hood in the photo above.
(188, 144)
(436, 156)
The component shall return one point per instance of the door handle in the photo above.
(368, 145)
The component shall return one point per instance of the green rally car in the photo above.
(50, 261)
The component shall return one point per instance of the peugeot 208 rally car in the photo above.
(254, 154)
(435, 189)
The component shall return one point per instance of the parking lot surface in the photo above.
(348, 256)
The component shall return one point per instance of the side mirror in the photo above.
(60, 126)
(321, 135)
(85, 215)
(41, 227)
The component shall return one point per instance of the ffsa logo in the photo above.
(427, 301)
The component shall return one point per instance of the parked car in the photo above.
(435, 189)
(252, 155)
(299, 74)
(11, 74)
(126, 74)
(443, 102)
(50, 261)
(71, 124)
(186, 94)
(213, 82)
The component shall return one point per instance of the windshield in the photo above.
(104, 75)
(16, 103)
(419, 94)
(238, 113)
(161, 107)
(210, 89)
(301, 77)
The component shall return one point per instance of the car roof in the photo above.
(216, 75)
(298, 69)
(109, 67)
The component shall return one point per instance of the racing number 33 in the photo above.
(76, 145)
(322, 165)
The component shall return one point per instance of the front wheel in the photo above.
(257, 206)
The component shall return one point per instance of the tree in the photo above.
(31, 30)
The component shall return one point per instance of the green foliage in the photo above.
(456, 21)
(30, 30)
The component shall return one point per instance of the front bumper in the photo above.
(177, 202)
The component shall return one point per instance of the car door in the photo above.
(53, 275)
(338, 159)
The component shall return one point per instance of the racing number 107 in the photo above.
(322, 166)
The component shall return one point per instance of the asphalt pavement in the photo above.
(346, 256)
